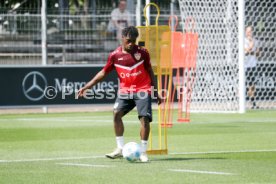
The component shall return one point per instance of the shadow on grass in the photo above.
(165, 159)
(186, 159)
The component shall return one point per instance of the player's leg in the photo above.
(248, 75)
(143, 103)
(121, 107)
(144, 134)
(251, 88)
(145, 128)
(118, 122)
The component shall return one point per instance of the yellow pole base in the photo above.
(157, 152)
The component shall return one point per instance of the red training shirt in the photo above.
(132, 69)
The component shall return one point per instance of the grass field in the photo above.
(70, 147)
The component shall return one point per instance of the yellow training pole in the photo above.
(150, 34)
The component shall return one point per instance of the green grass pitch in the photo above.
(69, 148)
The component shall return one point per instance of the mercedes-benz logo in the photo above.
(34, 84)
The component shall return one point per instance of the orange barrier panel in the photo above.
(183, 58)
(176, 43)
(175, 38)
(166, 78)
(188, 70)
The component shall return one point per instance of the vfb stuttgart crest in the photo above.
(137, 56)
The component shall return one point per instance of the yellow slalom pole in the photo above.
(152, 36)
(158, 69)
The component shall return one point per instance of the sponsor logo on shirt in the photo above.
(124, 75)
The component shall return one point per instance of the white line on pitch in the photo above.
(49, 159)
(74, 120)
(200, 172)
(222, 152)
(83, 165)
(68, 118)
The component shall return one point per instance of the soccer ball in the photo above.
(131, 151)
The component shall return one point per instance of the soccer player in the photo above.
(252, 52)
(134, 70)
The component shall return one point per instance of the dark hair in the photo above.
(130, 31)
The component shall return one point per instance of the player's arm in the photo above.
(248, 50)
(153, 83)
(98, 77)
(150, 71)
(257, 51)
(116, 24)
(114, 20)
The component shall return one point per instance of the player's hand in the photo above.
(81, 92)
(159, 99)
